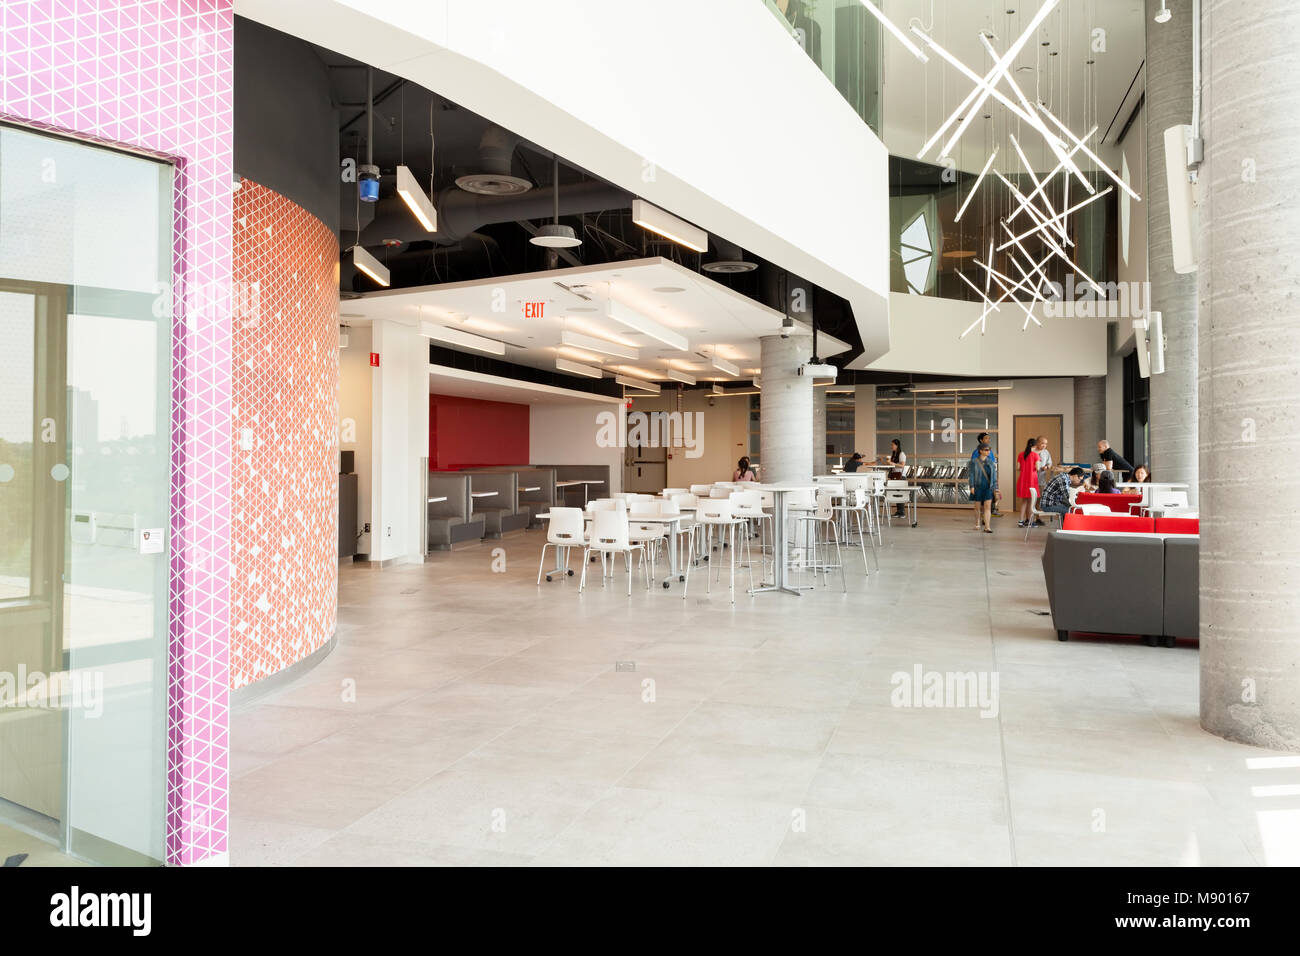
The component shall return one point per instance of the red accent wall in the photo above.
(465, 432)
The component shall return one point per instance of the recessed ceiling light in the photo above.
(584, 308)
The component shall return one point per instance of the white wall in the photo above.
(399, 440)
(1115, 402)
(1049, 396)
(355, 386)
(926, 337)
(723, 439)
(738, 131)
(566, 435)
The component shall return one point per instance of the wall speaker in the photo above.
(1156, 342)
(1183, 224)
(1143, 357)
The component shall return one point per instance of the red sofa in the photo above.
(1178, 526)
(1115, 522)
(1116, 503)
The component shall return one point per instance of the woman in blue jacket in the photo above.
(983, 483)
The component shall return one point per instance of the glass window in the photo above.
(85, 349)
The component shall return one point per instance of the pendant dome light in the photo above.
(554, 235)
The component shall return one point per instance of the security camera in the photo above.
(787, 326)
(712, 401)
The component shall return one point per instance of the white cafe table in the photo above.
(778, 491)
(673, 522)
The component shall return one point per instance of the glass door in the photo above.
(85, 368)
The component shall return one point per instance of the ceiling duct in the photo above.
(727, 259)
(461, 213)
(496, 153)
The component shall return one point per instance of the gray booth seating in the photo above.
(1149, 586)
(536, 489)
(500, 511)
(450, 522)
(573, 495)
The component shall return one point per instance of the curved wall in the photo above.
(284, 454)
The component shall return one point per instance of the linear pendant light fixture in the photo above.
(468, 340)
(592, 344)
(630, 382)
(371, 266)
(575, 368)
(416, 200)
(669, 226)
(677, 376)
(722, 365)
(635, 320)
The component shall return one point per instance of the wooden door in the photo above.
(1026, 427)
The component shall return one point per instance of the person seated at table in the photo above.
(1142, 474)
(854, 463)
(1106, 484)
(983, 473)
(743, 471)
(1056, 496)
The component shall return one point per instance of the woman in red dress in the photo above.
(1028, 478)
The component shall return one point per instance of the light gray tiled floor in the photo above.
(494, 722)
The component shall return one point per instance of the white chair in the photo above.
(904, 499)
(701, 491)
(649, 535)
(609, 536)
(1165, 500)
(749, 505)
(1035, 513)
(608, 504)
(686, 505)
(815, 523)
(669, 492)
(857, 505)
(683, 534)
(720, 491)
(1092, 510)
(715, 513)
(1181, 513)
(564, 532)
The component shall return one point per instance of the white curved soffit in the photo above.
(708, 110)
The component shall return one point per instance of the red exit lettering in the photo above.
(533, 310)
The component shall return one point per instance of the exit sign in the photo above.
(533, 310)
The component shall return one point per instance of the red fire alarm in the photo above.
(374, 360)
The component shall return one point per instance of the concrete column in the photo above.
(820, 467)
(1250, 374)
(1090, 417)
(785, 419)
(1173, 452)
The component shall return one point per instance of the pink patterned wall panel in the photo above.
(156, 75)
(284, 490)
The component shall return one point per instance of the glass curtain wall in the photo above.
(938, 432)
(843, 39)
(85, 371)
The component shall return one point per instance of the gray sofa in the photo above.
(500, 511)
(451, 522)
(1149, 585)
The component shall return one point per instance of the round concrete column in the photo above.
(1089, 417)
(786, 409)
(1173, 451)
(819, 463)
(1250, 374)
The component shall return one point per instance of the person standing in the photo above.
(1027, 479)
(898, 461)
(983, 474)
(983, 439)
(1044, 462)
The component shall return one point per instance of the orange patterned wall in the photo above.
(284, 507)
